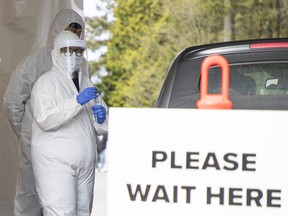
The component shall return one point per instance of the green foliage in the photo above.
(129, 50)
(147, 34)
(97, 35)
(261, 19)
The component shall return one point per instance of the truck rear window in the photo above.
(252, 79)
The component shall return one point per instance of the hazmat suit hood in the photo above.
(64, 39)
(61, 21)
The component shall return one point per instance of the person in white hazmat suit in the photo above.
(16, 103)
(68, 115)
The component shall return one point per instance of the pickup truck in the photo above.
(258, 75)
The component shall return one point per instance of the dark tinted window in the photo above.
(252, 79)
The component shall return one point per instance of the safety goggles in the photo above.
(68, 51)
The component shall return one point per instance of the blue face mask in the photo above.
(71, 63)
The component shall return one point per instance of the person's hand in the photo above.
(87, 94)
(99, 113)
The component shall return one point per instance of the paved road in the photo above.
(100, 194)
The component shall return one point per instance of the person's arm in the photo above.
(16, 95)
(19, 89)
(49, 113)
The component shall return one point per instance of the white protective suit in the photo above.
(64, 140)
(17, 106)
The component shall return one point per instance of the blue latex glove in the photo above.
(87, 94)
(99, 113)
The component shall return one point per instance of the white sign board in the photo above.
(197, 162)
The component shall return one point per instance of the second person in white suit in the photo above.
(16, 103)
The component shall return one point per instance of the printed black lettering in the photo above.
(233, 196)
(196, 160)
(138, 190)
(254, 195)
(246, 162)
(188, 192)
(190, 160)
(271, 198)
(173, 158)
(175, 194)
(219, 195)
(214, 163)
(160, 190)
(158, 156)
(228, 158)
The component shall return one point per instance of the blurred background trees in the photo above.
(140, 38)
